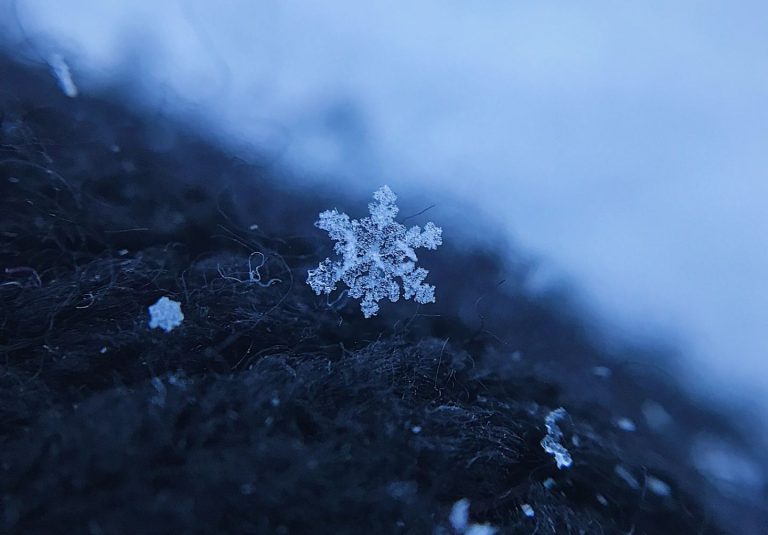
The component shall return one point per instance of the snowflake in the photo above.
(374, 252)
(165, 314)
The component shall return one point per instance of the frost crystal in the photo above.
(551, 442)
(374, 251)
(165, 314)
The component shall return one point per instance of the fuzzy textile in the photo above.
(273, 410)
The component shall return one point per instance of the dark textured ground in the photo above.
(268, 411)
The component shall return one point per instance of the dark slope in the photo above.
(268, 411)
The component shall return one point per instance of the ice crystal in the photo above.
(551, 442)
(375, 251)
(165, 314)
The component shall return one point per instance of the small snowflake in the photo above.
(165, 314)
(374, 251)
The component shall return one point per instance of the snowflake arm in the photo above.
(384, 210)
(430, 238)
(375, 251)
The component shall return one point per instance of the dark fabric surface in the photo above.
(267, 410)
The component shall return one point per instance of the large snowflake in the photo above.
(375, 251)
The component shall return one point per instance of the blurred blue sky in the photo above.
(626, 143)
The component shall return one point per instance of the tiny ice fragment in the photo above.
(551, 442)
(657, 486)
(459, 517)
(165, 314)
(627, 476)
(480, 529)
(626, 424)
(63, 75)
(527, 510)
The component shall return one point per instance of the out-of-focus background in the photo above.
(624, 145)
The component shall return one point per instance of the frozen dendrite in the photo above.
(165, 314)
(551, 442)
(375, 251)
